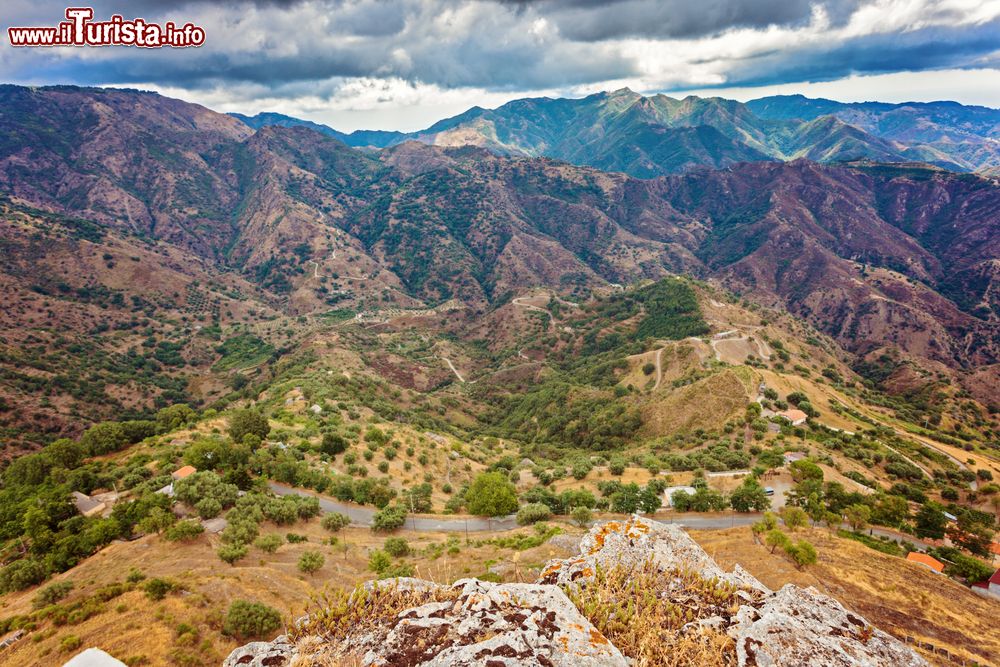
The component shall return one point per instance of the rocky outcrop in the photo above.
(794, 626)
(474, 622)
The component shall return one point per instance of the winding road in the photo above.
(362, 516)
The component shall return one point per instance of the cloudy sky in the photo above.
(402, 64)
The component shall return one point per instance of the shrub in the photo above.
(157, 589)
(183, 531)
(22, 574)
(231, 553)
(70, 643)
(335, 521)
(248, 620)
(295, 538)
(248, 422)
(311, 561)
(617, 465)
(775, 538)
(379, 561)
(52, 594)
(396, 547)
(491, 494)
(208, 508)
(533, 513)
(389, 518)
(802, 552)
(582, 516)
(794, 517)
(268, 543)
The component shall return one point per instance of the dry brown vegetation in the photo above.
(899, 597)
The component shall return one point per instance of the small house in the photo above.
(86, 505)
(796, 417)
(792, 457)
(990, 587)
(181, 473)
(926, 561)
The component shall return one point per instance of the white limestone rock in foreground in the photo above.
(522, 625)
(794, 627)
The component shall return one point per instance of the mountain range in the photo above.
(656, 135)
(146, 205)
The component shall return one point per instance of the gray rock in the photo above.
(277, 653)
(797, 626)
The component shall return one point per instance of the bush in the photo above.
(249, 620)
(183, 531)
(295, 538)
(268, 543)
(311, 561)
(379, 561)
(533, 513)
(157, 589)
(208, 508)
(52, 594)
(70, 643)
(802, 552)
(389, 518)
(582, 516)
(22, 574)
(248, 422)
(335, 521)
(617, 465)
(231, 553)
(491, 494)
(396, 547)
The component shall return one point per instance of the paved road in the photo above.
(362, 516)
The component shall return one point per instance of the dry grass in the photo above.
(644, 614)
(132, 625)
(899, 597)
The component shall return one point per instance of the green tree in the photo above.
(335, 521)
(333, 444)
(389, 518)
(248, 422)
(794, 517)
(174, 417)
(379, 562)
(249, 620)
(157, 521)
(104, 438)
(775, 538)
(858, 516)
(491, 494)
(231, 553)
(396, 547)
(183, 531)
(311, 561)
(268, 543)
(802, 552)
(930, 521)
(891, 510)
(805, 469)
(750, 497)
(582, 516)
(533, 513)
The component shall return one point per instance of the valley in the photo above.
(279, 365)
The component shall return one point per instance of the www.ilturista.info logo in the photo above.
(80, 30)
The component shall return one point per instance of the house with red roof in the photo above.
(990, 587)
(925, 560)
(181, 473)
